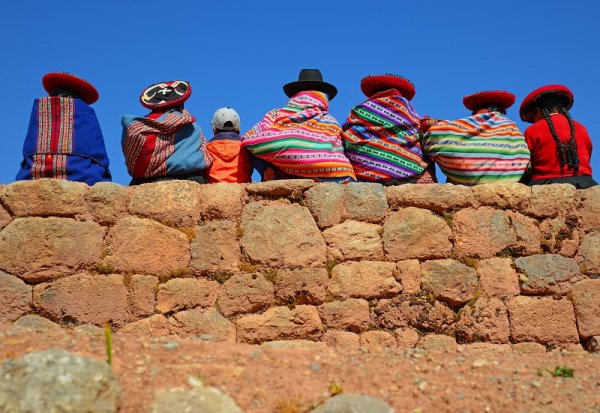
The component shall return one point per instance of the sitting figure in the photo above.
(482, 148)
(64, 140)
(167, 143)
(381, 135)
(301, 140)
(230, 162)
(560, 146)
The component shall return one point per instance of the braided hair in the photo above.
(567, 153)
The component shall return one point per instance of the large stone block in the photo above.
(542, 320)
(301, 286)
(586, 299)
(208, 324)
(198, 399)
(5, 217)
(547, 274)
(216, 247)
(142, 291)
(416, 233)
(589, 211)
(365, 202)
(145, 246)
(406, 337)
(186, 293)
(503, 196)
(107, 202)
(352, 315)
(497, 278)
(376, 341)
(437, 197)
(153, 326)
(290, 188)
(354, 240)
(482, 232)
(486, 320)
(589, 252)
(222, 201)
(409, 273)
(245, 293)
(438, 343)
(280, 323)
(38, 249)
(174, 203)
(552, 200)
(419, 312)
(449, 280)
(365, 279)
(326, 203)
(350, 403)
(529, 236)
(281, 236)
(15, 298)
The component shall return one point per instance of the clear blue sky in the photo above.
(240, 53)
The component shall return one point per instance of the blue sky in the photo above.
(240, 53)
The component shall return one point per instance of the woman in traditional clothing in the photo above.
(560, 146)
(301, 140)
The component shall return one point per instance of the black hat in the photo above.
(310, 79)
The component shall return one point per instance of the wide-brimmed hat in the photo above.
(165, 95)
(310, 79)
(371, 85)
(530, 102)
(478, 100)
(82, 87)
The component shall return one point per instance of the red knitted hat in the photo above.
(166, 95)
(530, 101)
(88, 93)
(371, 85)
(499, 97)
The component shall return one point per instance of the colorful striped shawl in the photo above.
(482, 148)
(302, 139)
(381, 137)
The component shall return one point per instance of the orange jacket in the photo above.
(231, 163)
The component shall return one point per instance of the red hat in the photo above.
(374, 84)
(88, 93)
(166, 95)
(530, 101)
(480, 99)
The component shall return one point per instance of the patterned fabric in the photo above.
(482, 148)
(163, 144)
(64, 141)
(381, 137)
(302, 140)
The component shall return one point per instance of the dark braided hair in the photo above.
(567, 154)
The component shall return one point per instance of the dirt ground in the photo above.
(290, 379)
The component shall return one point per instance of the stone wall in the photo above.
(350, 265)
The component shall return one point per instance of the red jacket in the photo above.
(231, 163)
(545, 161)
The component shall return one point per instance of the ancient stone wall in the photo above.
(349, 265)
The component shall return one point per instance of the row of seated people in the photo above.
(383, 140)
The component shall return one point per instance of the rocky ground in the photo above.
(290, 377)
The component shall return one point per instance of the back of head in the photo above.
(226, 119)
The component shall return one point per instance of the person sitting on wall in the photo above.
(482, 148)
(167, 143)
(560, 146)
(301, 140)
(64, 139)
(381, 135)
(230, 162)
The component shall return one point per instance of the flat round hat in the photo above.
(165, 95)
(82, 87)
(371, 85)
(529, 103)
(488, 97)
(310, 79)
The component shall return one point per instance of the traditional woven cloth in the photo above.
(482, 148)
(381, 137)
(163, 144)
(302, 139)
(64, 141)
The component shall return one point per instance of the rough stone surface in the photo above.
(554, 231)
(354, 240)
(589, 211)
(186, 293)
(4, 217)
(84, 298)
(178, 205)
(409, 274)
(107, 202)
(503, 196)
(45, 197)
(245, 293)
(142, 291)
(326, 203)
(216, 247)
(437, 197)
(547, 274)
(352, 314)
(552, 200)
(419, 312)
(281, 236)
(529, 348)
(482, 233)
(57, 381)
(497, 278)
(365, 279)
(351, 403)
(586, 299)
(449, 280)
(36, 322)
(280, 323)
(342, 339)
(208, 324)
(438, 343)
(365, 202)
(486, 349)
(301, 286)
(15, 298)
(589, 253)
(486, 320)
(222, 201)
(406, 337)
(542, 320)
(144, 246)
(416, 233)
(154, 326)
(527, 232)
(375, 341)
(198, 399)
(54, 247)
(293, 188)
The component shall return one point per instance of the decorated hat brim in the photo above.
(530, 101)
(151, 100)
(83, 88)
(489, 97)
(371, 85)
(293, 88)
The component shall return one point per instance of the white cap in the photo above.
(226, 119)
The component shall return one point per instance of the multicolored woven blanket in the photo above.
(163, 144)
(302, 139)
(381, 137)
(482, 148)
